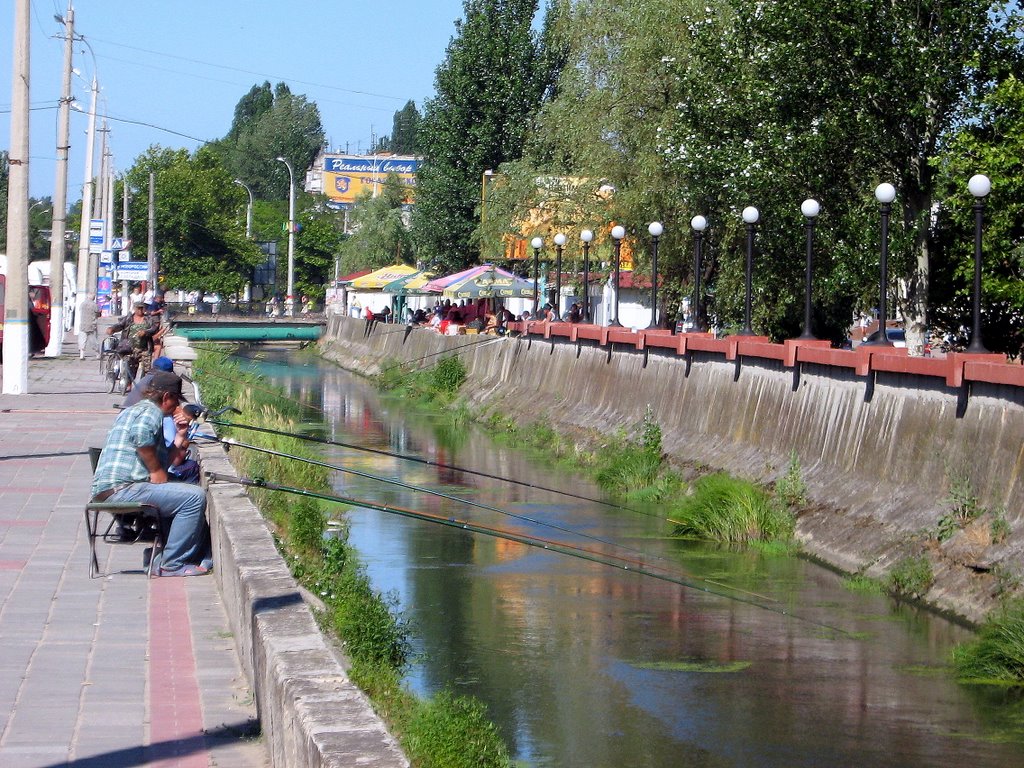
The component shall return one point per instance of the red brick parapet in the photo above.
(954, 369)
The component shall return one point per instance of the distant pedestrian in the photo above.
(87, 327)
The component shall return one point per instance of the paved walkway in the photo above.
(110, 672)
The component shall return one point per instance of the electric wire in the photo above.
(440, 494)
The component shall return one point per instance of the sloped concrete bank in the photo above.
(877, 453)
(310, 713)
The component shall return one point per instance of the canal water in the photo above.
(769, 661)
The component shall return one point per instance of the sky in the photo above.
(171, 72)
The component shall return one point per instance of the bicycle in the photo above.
(107, 355)
(120, 373)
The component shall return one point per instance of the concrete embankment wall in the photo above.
(311, 715)
(877, 452)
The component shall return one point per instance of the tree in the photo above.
(599, 130)
(317, 245)
(200, 234)
(488, 89)
(827, 98)
(403, 139)
(379, 236)
(268, 125)
(993, 144)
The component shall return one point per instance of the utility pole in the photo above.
(153, 268)
(87, 194)
(58, 226)
(16, 312)
(125, 220)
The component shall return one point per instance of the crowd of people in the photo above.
(479, 316)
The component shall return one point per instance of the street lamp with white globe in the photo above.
(586, 236)
(810, 209)
(750, 217)
(289, 304)
(655, 229)
(885, 193)
(698, 224)
(559, 244)
(618, 232)
(979, 186)
(537, 244)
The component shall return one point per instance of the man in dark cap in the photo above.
(135, 393)
(132, 468)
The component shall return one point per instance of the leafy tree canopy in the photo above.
(200, 220)
(487, 90)
(267, 125)
(404, 132)
(379, 233)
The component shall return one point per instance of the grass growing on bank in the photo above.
(632, 466)
(447, 731)
(997, 655)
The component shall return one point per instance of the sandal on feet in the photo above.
(187, 570)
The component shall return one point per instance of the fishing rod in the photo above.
(418, 460)
(521, 538)
(440, 494)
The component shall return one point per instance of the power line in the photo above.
(249, 71)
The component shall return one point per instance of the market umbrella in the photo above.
(438, 284)
(492, 283)
(413, 283)
(381, 277)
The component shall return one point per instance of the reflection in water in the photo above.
(584, 665)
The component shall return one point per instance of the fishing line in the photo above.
(408, 486)
(531, 541)
(419, 460)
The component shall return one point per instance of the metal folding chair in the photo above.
(129, 523)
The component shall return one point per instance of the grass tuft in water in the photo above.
(724, 508)
(998, 653)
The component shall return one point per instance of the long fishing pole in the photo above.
(441, 494)
(521, 538)
(418, 460)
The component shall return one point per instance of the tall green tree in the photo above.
(827, 98)
(487, 90)
(200, 221)
(992, 144)
(599, 130)
(267, 125)
(404, 132)
(379, 234)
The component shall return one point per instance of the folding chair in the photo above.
(130, 522)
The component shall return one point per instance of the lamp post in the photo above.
(248, 209)
(810, 209)
(559, 243)
(979, 186)
(698, 224)
(618, 232)
(885, 193)
(586, 236)
(537, 244)
(289, 303)
(655, 229)
(750, 218)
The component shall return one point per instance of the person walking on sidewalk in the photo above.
(133, 468)
(87, 327)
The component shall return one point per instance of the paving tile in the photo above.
(77, 653)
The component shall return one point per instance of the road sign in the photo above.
(106, 257)
(120, 243)
(133, 270)
(97, 229)
(124, 255)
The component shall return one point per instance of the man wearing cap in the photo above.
(135, 393)
(132, 468)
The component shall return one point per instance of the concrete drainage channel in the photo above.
(310, 713)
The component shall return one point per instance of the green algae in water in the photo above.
(693, 665)
(925, 670)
